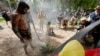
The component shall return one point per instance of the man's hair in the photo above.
(22, 6)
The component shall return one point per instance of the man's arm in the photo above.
(91, 17)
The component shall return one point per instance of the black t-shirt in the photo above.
(85, 24)
(81, 26)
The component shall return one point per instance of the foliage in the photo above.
(12, 3)
(63, 5)
(47, 49)
(79, 4)
(1, 19)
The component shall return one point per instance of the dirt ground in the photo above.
(10, 45)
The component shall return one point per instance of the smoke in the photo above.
(49, 8)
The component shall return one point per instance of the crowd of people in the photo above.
(80, 20)
(20, 26)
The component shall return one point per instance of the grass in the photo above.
(47, 49)
(2, 19)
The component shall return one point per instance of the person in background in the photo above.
(73, 21)
(94, 16)
(41, 17)
(6, 16)
(83, 23)
(60, 18)
(64, 23)
(50, 31)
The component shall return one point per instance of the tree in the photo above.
(72, 5)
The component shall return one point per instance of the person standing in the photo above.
(60, 18)
(20, 26)
(41, 17)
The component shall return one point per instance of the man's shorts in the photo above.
(25, 34)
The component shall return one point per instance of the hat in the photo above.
(83, 18)
(97, 7)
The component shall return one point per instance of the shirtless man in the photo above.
(20, 27)
(41, 17)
